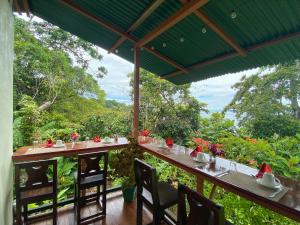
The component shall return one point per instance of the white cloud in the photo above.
(217, 91)
(115, 83)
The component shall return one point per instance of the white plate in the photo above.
(58, 146)
(277, 186)
(200, 161)
(106, 142)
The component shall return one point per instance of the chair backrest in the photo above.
(91, 164)
(145, 177)
(202, 211)
(33, 175)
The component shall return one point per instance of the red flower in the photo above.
(74, 136)
(97, 139)
(145, 133)
(254, 141)
(201, 142)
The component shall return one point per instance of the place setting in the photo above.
(264, 183)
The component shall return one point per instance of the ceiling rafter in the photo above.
(217, 29)
(235, 54)
(138, 22)
(183, 12)
(116, 30)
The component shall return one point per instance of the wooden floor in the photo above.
(118, 213)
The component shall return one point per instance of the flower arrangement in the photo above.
(74, 137)
(215, 149)
(201, 146)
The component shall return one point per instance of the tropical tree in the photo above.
(168, 110)
(268, 103)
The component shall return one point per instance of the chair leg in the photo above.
(75, 195)
(139, 211)
(78, 205)
(158, 215)
(98, 194)
(18, 213)
(54, 210)
(25, 213)
(104, 199)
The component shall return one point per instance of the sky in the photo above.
(216, 92)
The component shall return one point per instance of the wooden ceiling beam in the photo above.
(138, 22)
(217, 29)
(235, 54)
(116, 30)
(186, 10)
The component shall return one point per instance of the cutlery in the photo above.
(223, 174)
(273, 195)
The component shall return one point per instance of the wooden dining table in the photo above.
(218, 173)
(30, 153)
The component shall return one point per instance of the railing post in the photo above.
(136, 93)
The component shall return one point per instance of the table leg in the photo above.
(212, 192)
(200, 184)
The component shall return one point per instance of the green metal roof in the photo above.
(257, 21)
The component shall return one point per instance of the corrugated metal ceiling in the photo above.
(257, 21)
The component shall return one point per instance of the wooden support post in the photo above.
(199, 184)
(136, 93)
(212, 192)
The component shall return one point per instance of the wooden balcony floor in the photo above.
(118, 213)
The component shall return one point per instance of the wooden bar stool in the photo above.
(33, 186)
(202, 211)
(91, 173)
(157, 196)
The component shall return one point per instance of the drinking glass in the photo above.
(87, 141)
(233, 166)
(35, 144)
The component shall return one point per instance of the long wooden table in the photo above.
(28, 153)
(288, 205)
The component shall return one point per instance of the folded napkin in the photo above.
(264, 168)
(196, 150)
(169, 142)
(49, 143)
(97, 139)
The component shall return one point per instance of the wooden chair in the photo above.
(157, 196)
(36, 188)
(91, 173)
(202, 211)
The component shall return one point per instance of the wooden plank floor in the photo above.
(118, 213)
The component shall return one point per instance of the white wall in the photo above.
(6, 111)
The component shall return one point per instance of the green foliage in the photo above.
(26, 120)
(107, 124)
(214, 127)
(269, 103)
(168, 110)
(123, 163)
